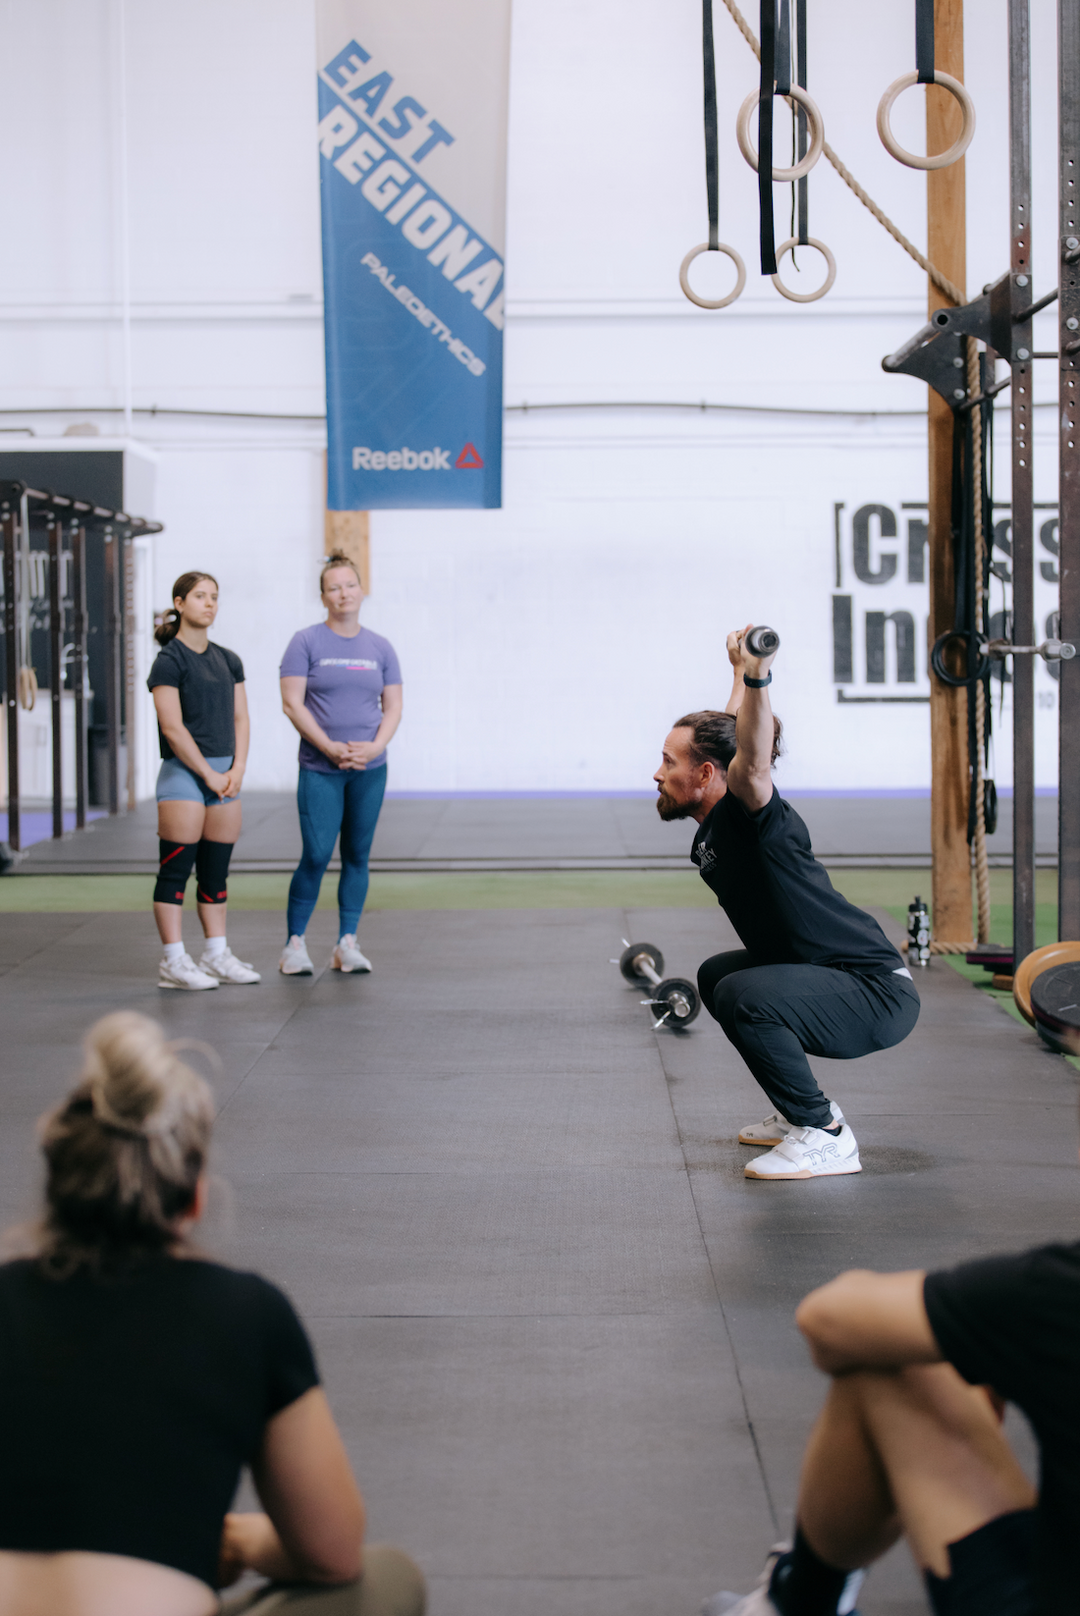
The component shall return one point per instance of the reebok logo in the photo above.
(364, 459)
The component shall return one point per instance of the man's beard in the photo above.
(668, 808)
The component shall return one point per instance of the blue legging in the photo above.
(349, 802)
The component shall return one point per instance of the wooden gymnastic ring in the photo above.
(781, 176)
(826, 286)
(944, 159)
(27, 689)
(704, 302)
(1033, 965)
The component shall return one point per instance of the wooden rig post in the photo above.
(947, 248)
(350, 532)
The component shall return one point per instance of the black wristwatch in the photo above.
(757, 684)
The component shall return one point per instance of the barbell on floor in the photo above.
(675, 1000)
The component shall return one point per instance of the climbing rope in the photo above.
(942, 282)
(978, 842)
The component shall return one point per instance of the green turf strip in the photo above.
(525, 889)
(509, 889)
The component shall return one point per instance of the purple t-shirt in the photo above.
(345, 678)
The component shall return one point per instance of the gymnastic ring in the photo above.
(704, 302)
(959, 146)
(805, 297)
(937, 660)
(781, 176)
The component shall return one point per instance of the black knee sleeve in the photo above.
(177, 860)
(212, 871)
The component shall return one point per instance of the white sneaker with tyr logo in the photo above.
(808, 1153)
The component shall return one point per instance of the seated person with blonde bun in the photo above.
(138, 1378)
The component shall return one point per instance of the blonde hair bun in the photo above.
(125, 1150)
(132, 1073)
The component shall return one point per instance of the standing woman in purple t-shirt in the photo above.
(341, 688)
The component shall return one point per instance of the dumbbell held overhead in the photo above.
(675, 1001)
(761, 641)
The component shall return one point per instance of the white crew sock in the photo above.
(174, 952)
(214, 946)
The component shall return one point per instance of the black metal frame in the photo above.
(78, 666)
(119, 528)
(56, 671)
(1022, 512)
(1069, 464)
(9, 527)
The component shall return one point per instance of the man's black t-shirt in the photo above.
(1013, 1323)
(205, 680)
(778, 897)
(129, 1405)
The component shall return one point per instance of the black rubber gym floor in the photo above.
(554, 1319)
(518, 832)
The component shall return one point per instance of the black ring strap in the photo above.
(924, 40)
(783, 50)
(712, 157)
(765, 137)
(803, 193)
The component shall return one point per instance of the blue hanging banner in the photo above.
(412, 142)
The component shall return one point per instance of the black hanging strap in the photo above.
(924, 40)
(783, 50)
(803, 231)
(712, 159)
(765, 136)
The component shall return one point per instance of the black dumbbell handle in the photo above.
(762, 641)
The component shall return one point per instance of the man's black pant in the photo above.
(776, 1015)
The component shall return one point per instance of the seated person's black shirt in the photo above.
(778, 897)
(1013, 1323)
(129, 1405)
(206, 681)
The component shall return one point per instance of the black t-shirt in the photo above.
(778, 897)
(129, 1405)
(1013, 1323)
(205, 680)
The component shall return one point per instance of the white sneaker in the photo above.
(295, 959)
(774, 1128)
(808, 1153)
(184, 973)
(347, 957)
(757, 1601)
(227, 968)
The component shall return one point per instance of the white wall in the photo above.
(549, 644)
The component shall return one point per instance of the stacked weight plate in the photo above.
(1055, 1004)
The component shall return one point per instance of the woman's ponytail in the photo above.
(169, 627)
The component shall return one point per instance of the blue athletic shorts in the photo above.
(176, 783)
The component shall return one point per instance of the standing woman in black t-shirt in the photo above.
(138, 1379)
(198, 690)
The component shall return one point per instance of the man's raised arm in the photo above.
(750, 774)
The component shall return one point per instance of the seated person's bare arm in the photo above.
(863, 1320)
(313, 1529)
